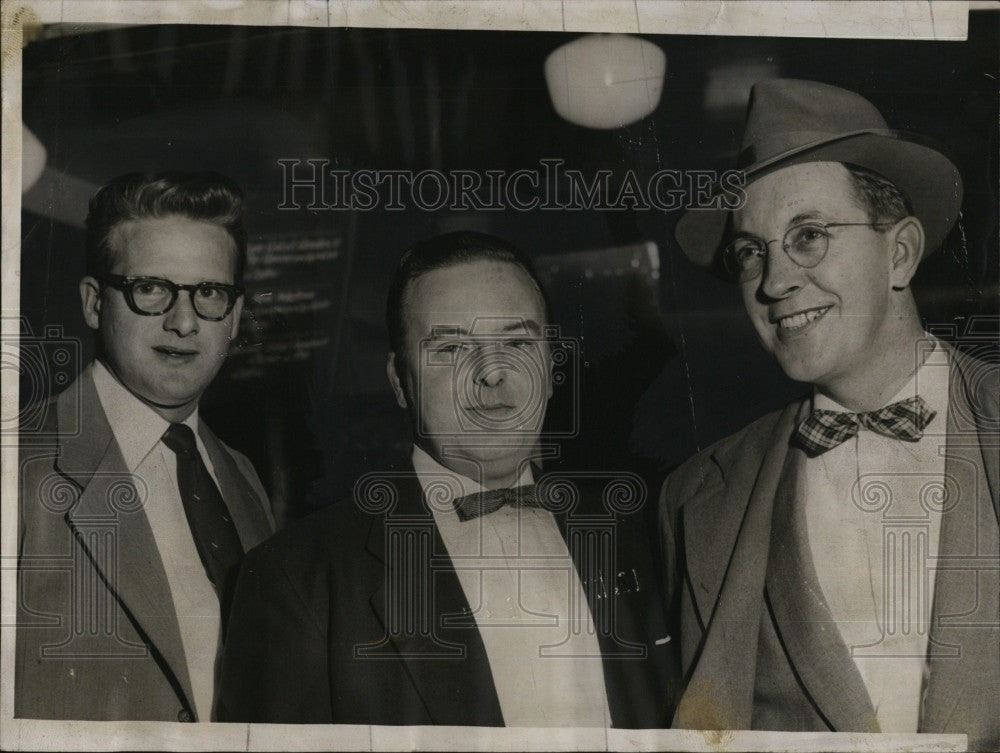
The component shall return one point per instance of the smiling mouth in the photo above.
(800, 319)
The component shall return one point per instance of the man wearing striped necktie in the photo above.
(133, 515)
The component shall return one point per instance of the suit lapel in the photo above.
(714, 518)
(441, 648)
(244, 505)
(964, 651)
(111, 527)
(732, 517)
(810, 637)
(974, 390)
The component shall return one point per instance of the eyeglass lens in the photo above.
(158, 297)
(806, 245)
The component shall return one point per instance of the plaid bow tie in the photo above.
(825, 429)
(483, 503)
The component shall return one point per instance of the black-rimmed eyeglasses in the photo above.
(805, 244)
(151, 296)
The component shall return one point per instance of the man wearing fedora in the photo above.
(835, 564)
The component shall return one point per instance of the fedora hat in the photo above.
(790, 122)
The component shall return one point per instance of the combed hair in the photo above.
(207, 196)
(878, 196)
(443, 251)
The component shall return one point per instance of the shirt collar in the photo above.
(136, 426)
(430, 473)
(930, 381)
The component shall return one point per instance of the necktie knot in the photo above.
(484, 502)
(825, 429)
(180, 439)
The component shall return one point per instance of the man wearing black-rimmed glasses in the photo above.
(134, 517)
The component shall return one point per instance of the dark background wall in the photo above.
(667, 363)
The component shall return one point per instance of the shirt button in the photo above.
(185, 716)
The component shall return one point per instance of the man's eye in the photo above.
(809, 234)
(748, 250)
(149, 288)
(520, 344)
(453, 346)
(211, 293)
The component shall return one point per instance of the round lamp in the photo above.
(605, 80)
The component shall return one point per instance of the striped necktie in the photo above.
(214, 534)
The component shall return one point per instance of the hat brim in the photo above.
(917, 166)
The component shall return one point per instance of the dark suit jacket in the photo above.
(97, 636)
(312, 637)
(735, 606)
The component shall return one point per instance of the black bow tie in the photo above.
(483, 503)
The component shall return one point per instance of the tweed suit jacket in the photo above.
(97, 635)
(717, 526)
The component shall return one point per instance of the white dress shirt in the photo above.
(528, 603)
(138, 430)
(873, 520)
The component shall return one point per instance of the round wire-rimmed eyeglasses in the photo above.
(805, 244)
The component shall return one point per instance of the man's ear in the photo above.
(90, 297)
(395, 381)
(236, 313)
(907, 251)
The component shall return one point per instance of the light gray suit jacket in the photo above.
(731, 593)
(97, 636)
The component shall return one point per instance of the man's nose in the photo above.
(491, 368)
(780, 276)
(181, 319)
